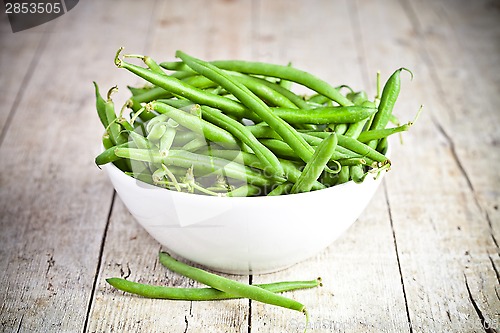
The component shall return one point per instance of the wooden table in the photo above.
(423, 257)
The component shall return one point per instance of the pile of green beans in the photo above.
(236, 128)
(220, 288)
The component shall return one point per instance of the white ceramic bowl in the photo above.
(244, 235)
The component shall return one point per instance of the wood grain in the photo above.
(175, 25)
(18, 59)
(439, 224)
(346, 264)
(54, 201)
(423, 257)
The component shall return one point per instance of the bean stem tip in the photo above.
(417, 115)
(377, 96)
(111, 92)
(409, 71)
(306, 313)
(149, 106)
(138, 56)
(118, 61)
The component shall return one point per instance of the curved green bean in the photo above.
(266, 135)
(279, 71)
(168, 138)
(242, 133)
(247, 98)
(287, 73)
(389, 96)
(230, 286)
(325, 115)
(316, 165)
(283, 142)
(185, 90)
(295, 99)
(106, 141)
(357, 174)
(113, 128)
(388, 99)
(201, 164)
(281, 189)
(362, 149)
(291, 170)
(355, 146)
(340, 128)
(201, 294)
(108, 155)
(100, 104)
(263, 91)
(370, 135)
(343, 175)
(196, 124)
(245, 191)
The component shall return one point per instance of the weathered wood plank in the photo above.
(362, 287)
(17, 61)
(437, 221)
(54, 201)
(473, 33)
(322, 43)
(191, 28)
(226, 35)
(470, 84)
(131, 253)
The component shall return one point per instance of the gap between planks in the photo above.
(357, 35)
(425, 55)
(98, 265)
(427, 59)
(110, 211)
(42, 42)
(387, 201)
